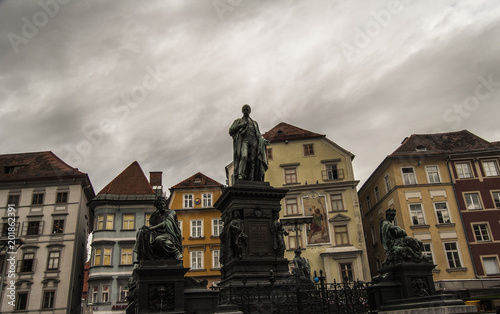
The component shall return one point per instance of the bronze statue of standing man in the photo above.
(249, 148)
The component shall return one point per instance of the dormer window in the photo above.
(421, 148)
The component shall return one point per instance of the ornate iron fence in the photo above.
(296, 295)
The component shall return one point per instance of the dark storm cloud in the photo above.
(105, 83)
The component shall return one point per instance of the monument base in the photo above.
(436, 310)
(159, 287)
(407, 287)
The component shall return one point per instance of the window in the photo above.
(207, 200)
(496, 199)
(387, 182)
(9, 228)
(417, 214)
(491, 168)
(308, 149)
(146, 220)
(215, 258)
(290, 175)
(196, 259)
(13, 199)
(408, 175)
(9, 169)
(34, 228)
(333, 172)
(102, 256)
(105, 294)
(22, 301)
(346, 272)
(128, 222)
(341, 236)
(187, 200)
(58, 226)
(48, 299)
(196, 228)
(374, 235)
(490, 265)
(472, 201)
(105, 222)
(427, 251)
(217, 225)
(337, 203)
(463, 170)
(433, 174)
(368, 203)
(292, 238)
(291, 206)
(269, 153)
(94, 294)
(37, 199)
(377, 194)
(28, 263)
(126, 256)
(481, 232)
(452, 255)
(53, 261)
(442, 213)
(62, 197)
(122, 297)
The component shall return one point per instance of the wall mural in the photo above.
(315, 206)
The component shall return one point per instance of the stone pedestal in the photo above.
(160, 287)
(409, 288)
(253, 207)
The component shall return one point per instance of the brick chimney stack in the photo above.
(155, 179)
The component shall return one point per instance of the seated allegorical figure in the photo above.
(399, 247)
(162, 239)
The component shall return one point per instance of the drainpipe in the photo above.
(460, 214)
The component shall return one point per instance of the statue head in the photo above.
(298, 251)
(160, 203)
(390, 214)
(246, 110)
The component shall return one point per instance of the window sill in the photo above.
(214, 237)
(339, 211)
(449, 224)
(196, 238)
(288, 184)
(197, 270)
(437, 271)
(101, 230)
(125, 265)
(420, 227)
(457, 269)
(215, 269)
(293, 215)
(127, 229)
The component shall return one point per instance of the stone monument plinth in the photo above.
(250, 242)
(160, 286)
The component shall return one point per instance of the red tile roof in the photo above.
(197, 180)
(35, 166)
(443, 143)
(131, 181)
(284, 131)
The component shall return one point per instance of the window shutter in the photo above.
(25, 228)
(40, 227)
(18, 266)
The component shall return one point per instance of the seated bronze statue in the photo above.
(399, 247)
(162, 239)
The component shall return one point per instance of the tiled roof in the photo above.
(131, 181)
(443, 143)
(35, 166)
(196, 181)
(284, 131)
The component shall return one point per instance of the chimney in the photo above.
(155, 182)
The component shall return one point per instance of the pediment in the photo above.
(339, 218)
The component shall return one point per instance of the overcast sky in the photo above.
(104, 83)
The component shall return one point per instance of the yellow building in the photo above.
(320, 210)
(415, 181)
(201, 224)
